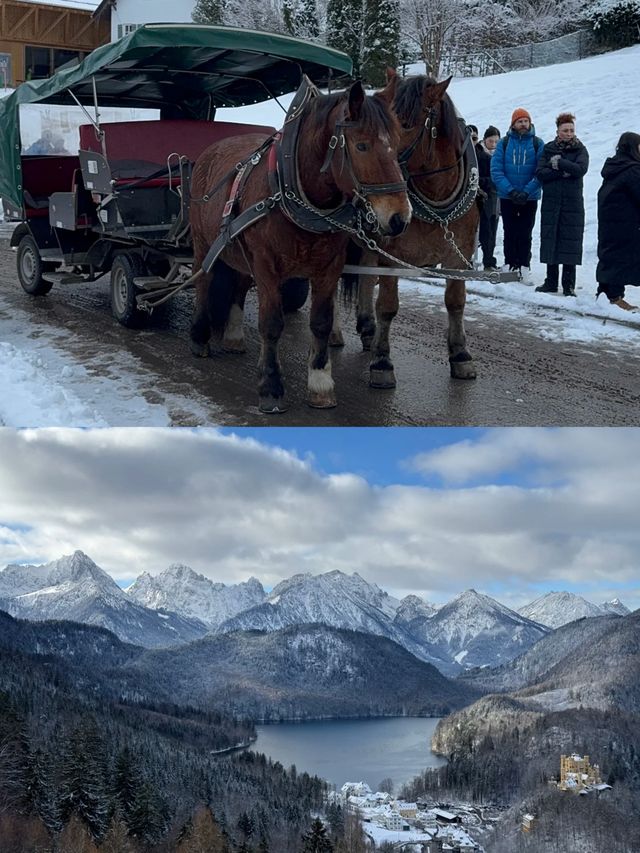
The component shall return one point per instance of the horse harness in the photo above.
(286, 192)
(463, 197)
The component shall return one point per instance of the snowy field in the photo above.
(604, 95)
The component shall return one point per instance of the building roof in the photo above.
(80, 5)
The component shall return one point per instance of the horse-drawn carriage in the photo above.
(120, 204)
(277, 210)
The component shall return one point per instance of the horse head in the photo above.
(361, 158)
(431, 133)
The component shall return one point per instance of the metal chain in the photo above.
(370, 243)
(359, 232)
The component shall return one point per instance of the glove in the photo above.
(554, 161)
(519, 196)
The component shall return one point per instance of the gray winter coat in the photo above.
(562, 209)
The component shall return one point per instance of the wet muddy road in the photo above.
(523, 379)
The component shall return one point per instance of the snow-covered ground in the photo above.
(601, 91)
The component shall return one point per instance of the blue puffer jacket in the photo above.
(514, 163)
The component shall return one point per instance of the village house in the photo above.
(528, 821)
(451, 839)
(124, 16)
(407, 809)
(37, 38)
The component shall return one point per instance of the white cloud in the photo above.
(232, 507)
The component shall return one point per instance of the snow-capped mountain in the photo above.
(194, 596)
(615, 606)
(474, 630)
(75, 588)
(413, 607)
(334, 599)
(558, 608)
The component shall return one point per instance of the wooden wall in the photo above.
(23, 23)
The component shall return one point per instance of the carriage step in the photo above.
(64, 278)
(151, 282)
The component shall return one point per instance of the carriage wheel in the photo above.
(30, 268)
(123, 290)
(294, 294)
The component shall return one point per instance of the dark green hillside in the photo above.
(302, 673)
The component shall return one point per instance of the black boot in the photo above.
(569, 280)
(551, 281)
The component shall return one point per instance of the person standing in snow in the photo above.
(619, 222)
(487, 197)
(561, 168)
(513, 168)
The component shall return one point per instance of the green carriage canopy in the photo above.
(189, 69)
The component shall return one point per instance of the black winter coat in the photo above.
(562, 209)
(619, 222)
(488, 205)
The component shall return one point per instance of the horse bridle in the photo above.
(360, 190)
(431, 128)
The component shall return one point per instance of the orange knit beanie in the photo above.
(519, 113)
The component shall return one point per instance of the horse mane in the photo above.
(408, 106)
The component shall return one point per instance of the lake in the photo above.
(353, 750)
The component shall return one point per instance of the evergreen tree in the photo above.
(83, 783)
(301, 18)
(126, 785)
(246, 825)
(148, 819)
(43, 793)
(344, 19)
(208, 12)
(382, 24)
(14, 757)
(316, 841)
(335, 818)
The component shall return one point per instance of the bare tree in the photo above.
(427, 24)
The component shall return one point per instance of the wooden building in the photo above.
(37, 38)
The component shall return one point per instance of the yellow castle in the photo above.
(577, 773)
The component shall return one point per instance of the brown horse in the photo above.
(339, 166)
(443, 229)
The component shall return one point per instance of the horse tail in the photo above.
(220, 296)
(350, 281)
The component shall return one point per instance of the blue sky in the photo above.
(376, 453)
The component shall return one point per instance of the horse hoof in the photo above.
(367, 340)
(463, 370)
(200, 350)
(237, 346)
(336, 339)
(272, 405)
(322, 400)
(382, 378)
